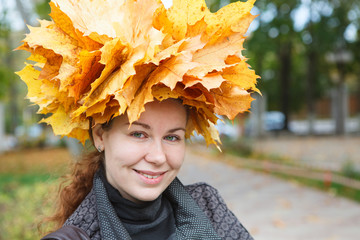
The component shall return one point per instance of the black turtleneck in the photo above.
(145, 221)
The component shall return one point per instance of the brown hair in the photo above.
(76, 185)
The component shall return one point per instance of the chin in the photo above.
(148, 197)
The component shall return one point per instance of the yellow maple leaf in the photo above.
(210, 81)
(100, 59)
(30, 75)
(217, 53)
(231, 100)
(91, 68)
(234, 17)
(63, 125)
(242, 76)
(172, 71)
(204, 127)
(67, 25)
(134, 83)
(184, 13)
(51, 37)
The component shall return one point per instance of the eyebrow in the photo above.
(176, 129)
(148, 127)
(140, 124)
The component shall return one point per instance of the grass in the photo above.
(333, 188)
(242, 148)
(29, 179)
(36, 161)
(28, 183)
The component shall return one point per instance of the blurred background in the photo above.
(307, 120)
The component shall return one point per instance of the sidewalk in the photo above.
(329, 153)
(273, 209)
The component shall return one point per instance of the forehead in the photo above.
(170, 109)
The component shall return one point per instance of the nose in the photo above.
(156, 153)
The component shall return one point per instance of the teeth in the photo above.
(149, 176)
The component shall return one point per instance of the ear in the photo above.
(98, 136)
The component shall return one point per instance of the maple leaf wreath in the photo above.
(102, 58)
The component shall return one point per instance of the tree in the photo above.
(341, 56)
(272, 47)
(4, 48)
(291, 61)
(9, 84)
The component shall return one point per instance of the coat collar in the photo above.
(191, 222)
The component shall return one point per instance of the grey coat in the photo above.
(200, 213)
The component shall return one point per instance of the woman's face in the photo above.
(143, 158)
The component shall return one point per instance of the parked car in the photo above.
(274, 121)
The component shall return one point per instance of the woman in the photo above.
(139, 78)
(135, 193)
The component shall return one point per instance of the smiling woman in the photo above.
(143, 158)
(136, 194)
(138, 79)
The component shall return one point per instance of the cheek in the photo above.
(121, 154)
(117, 144)
(176, 157)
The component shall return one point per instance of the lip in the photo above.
(150, 181)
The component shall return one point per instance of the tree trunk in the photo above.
(13, 103)
(341, 106)
(311, 74)
(358, 101)
(358, 95)
(13, 91)
(310, 86)
(25, 16)
(285, 78)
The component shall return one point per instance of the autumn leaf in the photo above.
(231, 100)
(216, 54)
(30, 76)
(205, 127)
(133, 84)
(62, 124)
(210, 81)
(233, 18)
(101, 59)
(63, 21)
(184, 13)
(91, 69)
(241, 75)
(173, 70)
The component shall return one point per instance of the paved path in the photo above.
(273, 209)
(321, 152)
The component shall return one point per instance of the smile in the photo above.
(149, 176)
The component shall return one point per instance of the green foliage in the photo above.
(21, 204)
(28, 186)
(334, 189)
(213, 5)
(43, 9)
(239, 147)
(323, 33)
(349, 170)
(5, 72)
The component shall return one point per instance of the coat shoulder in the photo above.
(67, 233)
(85, 217)
(225, 223)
